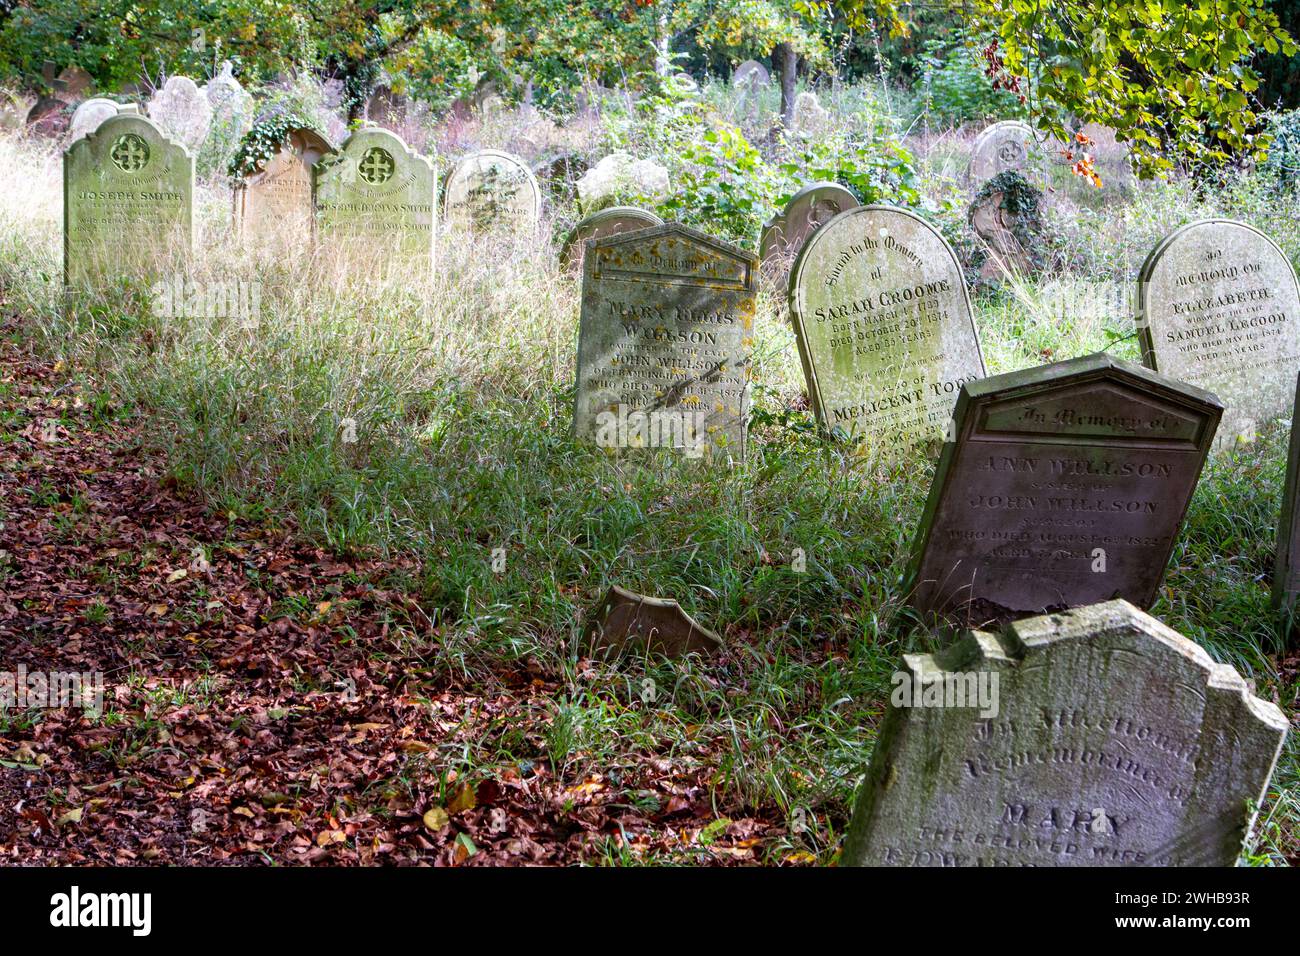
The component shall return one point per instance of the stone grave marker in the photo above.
(607, 222)
(490, 189)
(1064, 485)
(276, 199)
(628, 622)
(785, 233)
(665, 342)
(1093, 737)
(883, 322)
(128, 196)
(1286, 563)
(182, 112)
(751, 75)
(375, 195)
(1009, 144)
(87, 117)
(1218, 306)
(1007, 220)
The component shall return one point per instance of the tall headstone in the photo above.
(883, 322)
(1008, 145)
(89, 115)
(785, 233)
(276, 199)
(375, 196)
(182, 112)
(1218, 306)
(492, 189)
(665, 342)
(232, 105)
(128, 195)
(599, 225)
(1094, 737)
(1286, 563)
(1064, 485)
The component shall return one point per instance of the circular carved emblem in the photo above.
(377, 166)
(130, 153)
(1011, 154)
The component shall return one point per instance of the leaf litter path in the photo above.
(266, 702)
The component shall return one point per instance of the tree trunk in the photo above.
(786, 60)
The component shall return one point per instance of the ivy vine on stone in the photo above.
(263, 141)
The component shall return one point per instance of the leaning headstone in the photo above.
(1064, 485)
(883, 322)
(376, 196)
(1286, 563)
(182, 112)
(785, 233)
(1008, 145)
(751, 75)
(128, 194)
(1007, 220)
(1218, 306)
(1094, 737)
(626, 622)
(275, 200)
(491, 189)
(607, 222)
(89, 115)
(665, 342)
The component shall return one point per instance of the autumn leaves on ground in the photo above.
(265, 702)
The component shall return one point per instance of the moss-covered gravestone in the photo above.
(883, 321)
(492, 189)
(1219, 307)
(785, 233)
(607, 222)
(1064, 485)
(275, 199)
(1011, 238)
(1094, 737)
(128, 203)
(665, 343)
(375, 197)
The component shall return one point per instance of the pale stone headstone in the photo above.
(752, 75)
(1063, 485)
(628, 622)
(376, 196)
(1286, 563)
(607, 222)
(182, 112)
(883, 322)
(128, 194)
(232, 105)
(809, 114)
(785, 233)
(1009, 144)
(665, 342)
(276, 200)
(89, 115)
(1093, 737)
(489, 189)
(1218, 306)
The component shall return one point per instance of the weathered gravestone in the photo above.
(1007, 220)
(1218, 306)
(375, 195)
(883, 322)
(627, 622)
(276, 199)
(785, 233)
(1006, 145)
(1286, 563)
(89, 115)
(665, 342)
(607, 222)
(1064, 485)
(128, 195)
(1111, 741)
(751, 75)
(809, 114)
(182, 111)
(491, 189)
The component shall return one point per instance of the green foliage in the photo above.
(880, 171)
(439, 68)
(953, 87)
(723, 185)
(262, 142)
(1283, 162)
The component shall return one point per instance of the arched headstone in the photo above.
(89, 115)
(1219, 307)
(751, 75)
(883, 321)
(128, 197)
(1009, 144)
(182, 112)
(377, 194)
(786, 232)
(607, 222)
(276, 199)
(492, 188)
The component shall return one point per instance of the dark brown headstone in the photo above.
(628, 622)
